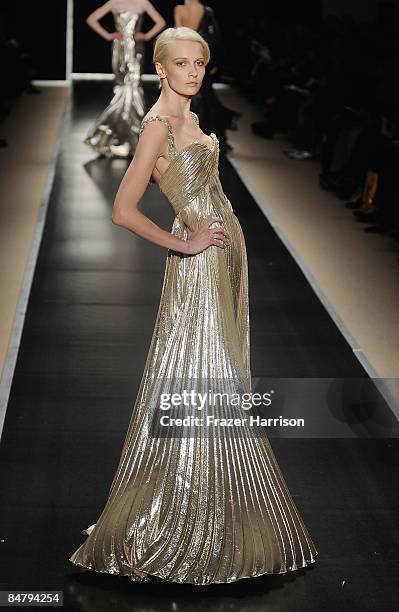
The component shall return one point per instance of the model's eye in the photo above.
(180, 63)
(201, 62)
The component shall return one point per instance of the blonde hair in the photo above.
(180, 33)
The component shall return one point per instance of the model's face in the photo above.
(184, 66)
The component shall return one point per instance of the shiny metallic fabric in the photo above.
(197, 509)
(115, 132)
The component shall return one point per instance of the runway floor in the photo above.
(89, 322)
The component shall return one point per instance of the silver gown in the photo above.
(202, 508)
(115, 132)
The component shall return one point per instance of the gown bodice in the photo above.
(128, 22)
(191, 181)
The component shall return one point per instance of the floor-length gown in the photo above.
(197, 508)
(115, 132)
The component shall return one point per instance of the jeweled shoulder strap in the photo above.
(171, 141)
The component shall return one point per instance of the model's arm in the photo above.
(125, 212)
(159, 21)
(134, 183)
(93, 21)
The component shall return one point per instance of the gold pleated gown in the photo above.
(197, 508)
(116, 131)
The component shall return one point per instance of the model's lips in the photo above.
(193, 83)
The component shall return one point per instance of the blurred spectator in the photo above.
(17, 69)
(330, 88)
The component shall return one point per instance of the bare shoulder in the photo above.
(153, 124)
(154, 112)
(162, 117)
(172, 122)
(154, 133)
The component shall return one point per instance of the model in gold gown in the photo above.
(197, 509)
(115, 132)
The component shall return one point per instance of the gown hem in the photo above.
(154, 575)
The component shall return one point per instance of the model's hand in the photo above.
(139, 36)
(206, 236)
(114, 36)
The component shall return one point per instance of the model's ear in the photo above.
(160, 70)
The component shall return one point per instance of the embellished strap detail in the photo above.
(171, 141)
(195, 117)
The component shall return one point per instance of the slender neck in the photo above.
(178, 105)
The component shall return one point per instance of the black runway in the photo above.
(87, 331)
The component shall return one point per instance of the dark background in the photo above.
(94, 55)
(41, 26)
